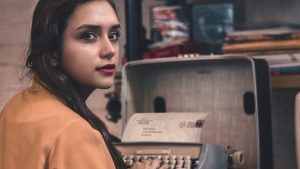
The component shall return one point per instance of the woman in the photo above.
(74, 50)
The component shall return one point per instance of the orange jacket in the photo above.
(37, 131)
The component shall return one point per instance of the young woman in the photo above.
(74, 50)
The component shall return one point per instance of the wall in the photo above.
(15, 27)
(287, 11)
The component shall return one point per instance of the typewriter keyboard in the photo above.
(176, 156)
(173, 161)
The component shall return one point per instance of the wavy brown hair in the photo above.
(48, 25)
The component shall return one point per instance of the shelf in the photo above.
(285, 81)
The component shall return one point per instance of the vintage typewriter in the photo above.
(225, 106)
(174, 138)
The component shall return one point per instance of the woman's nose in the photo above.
(108, 49)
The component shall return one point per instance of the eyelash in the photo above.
(117, 35)
(86, 36)
(113, 36)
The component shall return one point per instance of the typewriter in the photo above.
(174, 138)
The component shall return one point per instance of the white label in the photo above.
(164, 127)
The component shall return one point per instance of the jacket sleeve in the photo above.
(80, 147)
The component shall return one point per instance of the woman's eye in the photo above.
(89, 36)
(114, 36)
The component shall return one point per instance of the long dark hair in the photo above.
(48, 24)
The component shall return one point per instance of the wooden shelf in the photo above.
(285, 81)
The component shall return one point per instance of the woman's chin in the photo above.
(105, 85)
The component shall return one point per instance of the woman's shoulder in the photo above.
(42, 116)
(40, 109)
(39, 103)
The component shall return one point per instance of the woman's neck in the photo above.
(84, 91)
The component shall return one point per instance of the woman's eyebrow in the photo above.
(87, 26)
(117, 26)
(96, 27)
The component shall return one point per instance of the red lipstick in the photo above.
(108, 69)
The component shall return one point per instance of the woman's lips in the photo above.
(108, 69)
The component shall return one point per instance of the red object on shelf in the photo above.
(173, 51)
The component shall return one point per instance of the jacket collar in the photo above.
(38, 86)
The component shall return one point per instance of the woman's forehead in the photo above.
(94, 12)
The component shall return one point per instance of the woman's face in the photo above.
(90, 47)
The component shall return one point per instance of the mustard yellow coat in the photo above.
(37, 131)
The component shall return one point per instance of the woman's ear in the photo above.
(53, 61)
